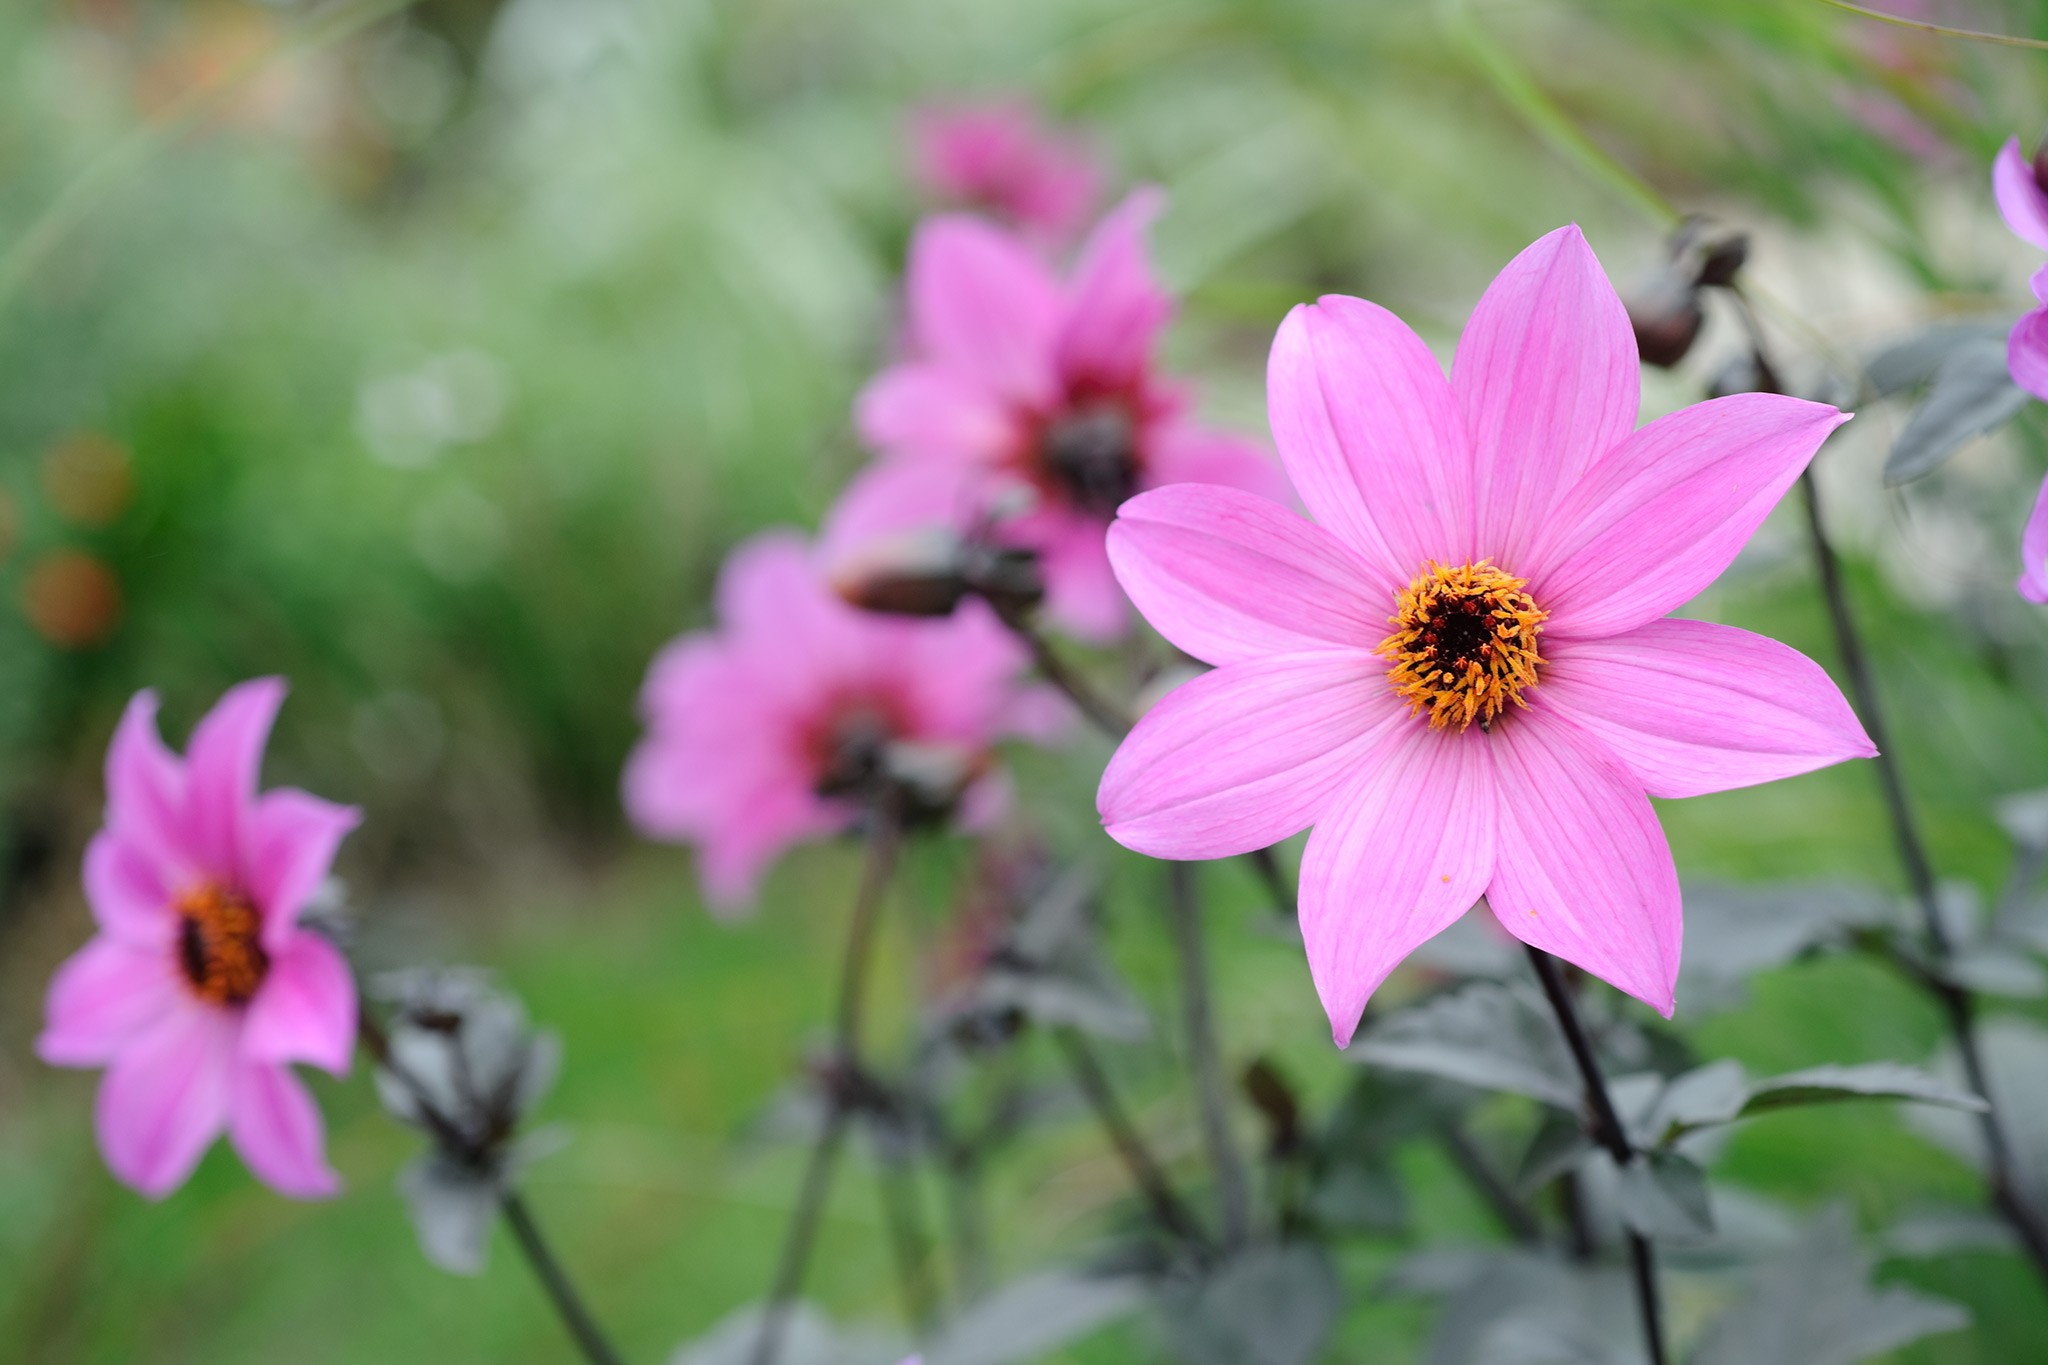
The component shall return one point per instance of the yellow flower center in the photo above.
(220, 945)
(1464, 643)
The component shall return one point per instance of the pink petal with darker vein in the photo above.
(1547, 378)
(1243, 757)
(1582, 869)
(1401, 852)
(1691, 707)
(1228, 576)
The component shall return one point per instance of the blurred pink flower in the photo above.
(2033, 584)
(1000, 159)
(771, 729)
(2017, 182)
(200, 988)
(1032, 409)
(1525, 541)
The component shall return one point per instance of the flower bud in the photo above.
(1666, 319)
(916, 574)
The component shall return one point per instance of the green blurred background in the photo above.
(437, 364)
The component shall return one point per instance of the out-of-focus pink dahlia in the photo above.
(1029, 408)
(788, 720)
(200, 988)
(1462, 672)
(1000, 159)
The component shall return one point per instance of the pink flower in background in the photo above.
(771, 729)
(1000, 159)
(2018, 183)
(2033, 584)
(1031, 409)
(200, 988)
(1462, 672)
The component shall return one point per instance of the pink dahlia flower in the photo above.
(777, 727)
(2033, 584)
(200, 988)
(1001, 160)
(2022, 198)
(1461, 672)
(2019, 184)
(1030, 409)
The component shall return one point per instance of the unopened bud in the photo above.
(918, 574)
(1666, 319)
(1708, 252)
(2040, 165)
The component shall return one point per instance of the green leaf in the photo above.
(1266, 1305)
(1871, 1081)
(1815, 1305)
(1032, 1316)
(1664, 1195)
(1486, 1035)
(1973, 393)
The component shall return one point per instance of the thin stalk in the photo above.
(1609, 1133)
(1970, 35)
(1184, 913)
(1145, 1171)
(884, 839)
(908, 1241)
(1101, 712)
(448, 1135)
(1109, 718)
(1956, 1003)
(561, 1292)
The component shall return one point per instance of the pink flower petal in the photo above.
(2026, 351)
(1245, 756)
(733, 853)
(1371, 437)
(124, 886)
(276, 1128)
(221, 769)
(1227, 576)
(1182, 453)
(982, 303)
(896, 501)
(102, 997)
(289, 838)
(1581, 869)
(146, 792)
(1659, 517)
(1081, 592)
(305, 1011)
(1547, 379)
(1399, 853)
(1692, 707)
(956, 674)
(2019, 195)
(773, 599)
(926, 411)
(1115, 307)
(165, 1098)
(2033, 584)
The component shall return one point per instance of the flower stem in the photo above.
(449, 1136)
(1184, 912)
(1956, 1003)
(884, 839)
(1609, 1133)
(1145, 1170)
(561, 1292)
(896, 1184)
(1104, 714)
